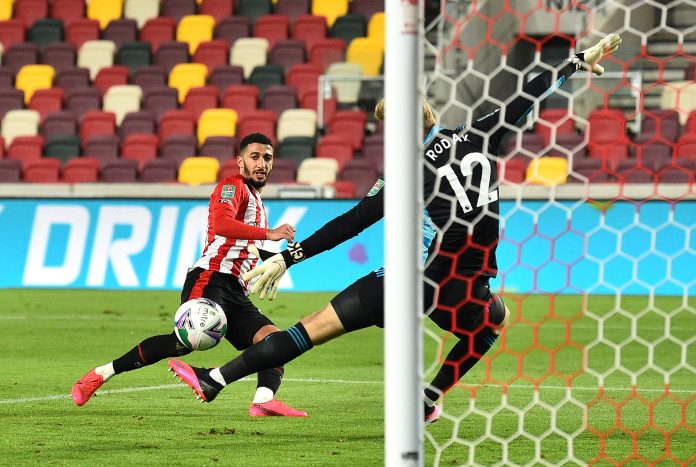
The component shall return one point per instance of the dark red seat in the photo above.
(159, 171)
(149, 78)
(336, 146)
(212, 54)
(178, 147)
(10, 171)
(11, 32)
(218, 9)
(121, 31)
(26, 148)
(293, 8)
(309, 29)
(287, 53)
(81, 170)
(10, 99)
(60, 55)
(79, 101)
(231, 28)
(158, 101)
(119, 171)
(367, 8)
(284, 171)
(220, 147)
(176, 122)
(158, 30)
(177, 9)
(67, 10)
(272, 28)
(59, 124)
(18, 55)
(554, 121)
(140, 148)
(225, 76)
(142, 122)
(101, 147)
(169, 54)
(361, 173)
(110, 76)
(243, 98)
(199, 99)
(72, 78)
(279, 98)
(81, 30)
(97, 123)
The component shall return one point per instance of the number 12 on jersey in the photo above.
(485, 196)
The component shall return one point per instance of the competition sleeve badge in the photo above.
(376, 187)
(228, 191)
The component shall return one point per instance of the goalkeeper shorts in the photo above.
(361, 304)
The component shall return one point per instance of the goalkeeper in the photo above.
(460, 263)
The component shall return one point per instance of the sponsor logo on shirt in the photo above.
(376, 187)
(228, 191)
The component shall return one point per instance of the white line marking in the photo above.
(331, 381)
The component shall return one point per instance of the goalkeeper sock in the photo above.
(274, 351)
(151, 350)
(460, 360)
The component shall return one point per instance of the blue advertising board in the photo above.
(559, 247)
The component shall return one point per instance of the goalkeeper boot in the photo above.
(434, 415)
(86, 387)
(274, 408)
(198, 379)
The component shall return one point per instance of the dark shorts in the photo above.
(361, 304)
(243, 318)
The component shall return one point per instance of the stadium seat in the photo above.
(97, 123)
(628, 171)
(217, 122)
(287, 53)
(218, 9)
(343, 189)
(157, 31)
(176, 122)
(370, 93)
(59, 123)
(18, 55)
(82, 30)
(368, 53)
(297, 122)
(348, 27)
(249, 52)
(185, 76)
(231, 28)
(243, 98)
(26, 148)
(67, 10)
(141, 10)
(79, 101)
(119, 171)
(103, 148)
(200, 99)
(104, 11)
(317, 171)
(158, 101)
(225, 76)
(159, 171)
(6, 76)
(95, 55)
(347, 92)
(46, 101)
(229, 168)
(690, 125)
(29, 11)
(149, 78)
(309, 29)
(305, 77)
(19, 122)
(177, 9)
(373, 152)
(110, 76)
(611, 152)
(121, 100)
(309, 100)
(170, 54)
(272, 28)
(261, 121)
(547, 171)
(554, 121)
(199, 170)
(279, 98)
(10, 171)
(140, 148)
(569, 145)
(81, 170)
(350, 124)
(220, 147)
(6, 9)
(138, 123)
(330, 9)
(72, 78)
(682, 173)
(41, 171)
(264, 76)
(376, 28)
(44, 32)
(212, 54)
(660, 125)
(134, 55)
(33, 77)
(62, 147)
(11, 33)
(60, 55)
(526, 144)
(513, 170)
(254, 9)
(606, 126)
(367, 8)
(284, 171)
(121, 31)
(336, 147)
(361, 173)
(296, 148)
(178, 147)
(293, 8)
(326, 52)
(194, 29)
(653, 155)
(679, 96)
(686, 147)
(10, 99)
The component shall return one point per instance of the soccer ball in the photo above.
(200, 324)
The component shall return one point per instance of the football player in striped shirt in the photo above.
(236, 219)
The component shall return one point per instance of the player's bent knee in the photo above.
(498, 313)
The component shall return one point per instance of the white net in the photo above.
(598, 242)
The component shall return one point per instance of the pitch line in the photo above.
(23, 400)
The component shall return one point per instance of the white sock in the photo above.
(262, 395)
(105, 371)
(217, 376)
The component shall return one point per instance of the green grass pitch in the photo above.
(51, 337)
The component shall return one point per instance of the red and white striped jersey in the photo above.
(230, 255)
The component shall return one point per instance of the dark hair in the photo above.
(252, 138)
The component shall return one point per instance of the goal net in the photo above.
(597, 250)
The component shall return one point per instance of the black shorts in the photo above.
(243, 318)
(361, 304)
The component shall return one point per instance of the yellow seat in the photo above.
(33, 77)
(95, 55)
(104, 11)
(217, 122)
(141, 10)
(19, 122)
(297, 122)
(199, 170)
(249, 52)
(330, 9)
(317, 170)
(194, 29)
(185, 76)
(5, 9)
(547, 171)
(366, 52)
(376, 28)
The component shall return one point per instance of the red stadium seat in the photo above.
(514, 170)
(350, 123)
(309, 29)
(176, 122)
(11, 32)
(26, 148)
(610, 153)
(325, 52)
(97, 123)
(110, 76)
(606, 126)
(28, 11)
(627, 171)
(199, 99)
(67, 10)
(261, 121)
(272, 28)
(304, 77)
(309, 100)
(140, 148)
(170, 54)
(82, 30)
(344, 189)
(558, 121)
(686, 147)
(81, 170)
(659, 125)
(218, 9)
(212, 54)
(121, 31)
(229, 168)
(158, 30)
(243, 98)
(41, 171)
(336, 147)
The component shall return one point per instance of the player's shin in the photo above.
(151, 350)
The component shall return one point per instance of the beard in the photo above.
(248, 176)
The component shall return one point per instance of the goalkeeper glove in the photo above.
(272, 270)
(589, 58)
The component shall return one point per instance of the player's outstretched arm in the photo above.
(592, 56)
(269, 274)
